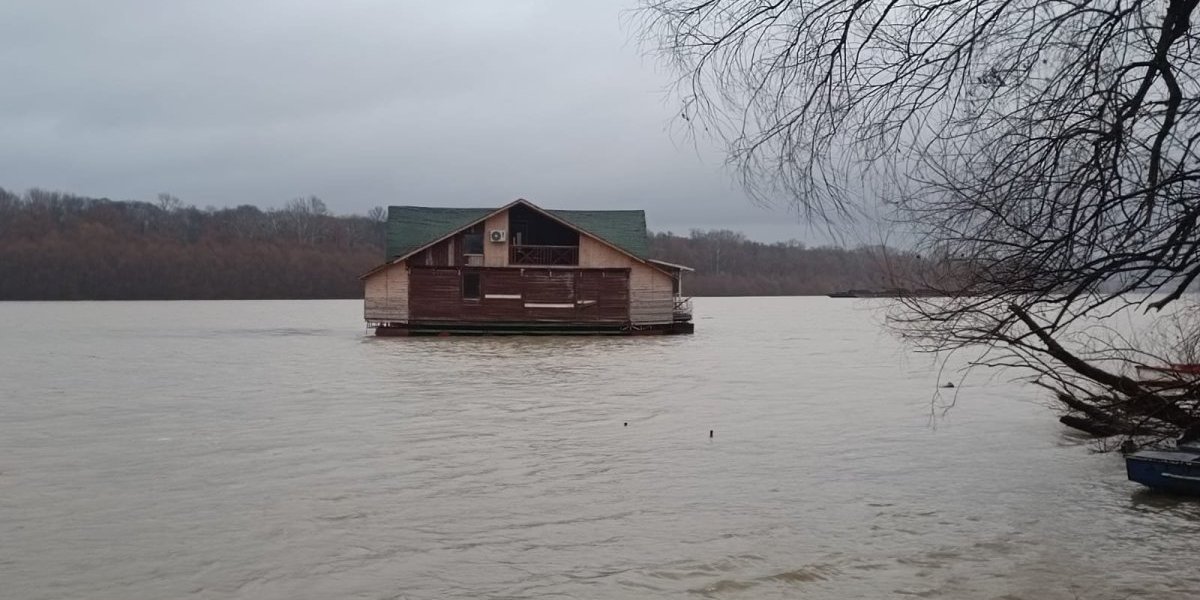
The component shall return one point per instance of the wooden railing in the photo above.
(683, 309)
(543, 255)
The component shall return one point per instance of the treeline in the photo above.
(56, 246)
(728, 264)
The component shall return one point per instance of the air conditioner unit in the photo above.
(497, 235)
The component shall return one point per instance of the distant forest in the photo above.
(728, 264)
(56, 246)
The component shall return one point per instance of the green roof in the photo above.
(625, 229)
(411, 228)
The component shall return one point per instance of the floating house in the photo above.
(522, 269)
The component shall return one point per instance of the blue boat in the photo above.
(1176, 470)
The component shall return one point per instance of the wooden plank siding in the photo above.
(386, 296)
(450, 252)
(495, 254)
(446, 253)
(507, 293)
(651, 291)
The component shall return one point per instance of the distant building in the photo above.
(522, 269)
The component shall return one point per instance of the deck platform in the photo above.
(448, 329)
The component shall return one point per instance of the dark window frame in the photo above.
(478, 285)
(473, 241)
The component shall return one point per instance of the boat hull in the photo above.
(1171, 470)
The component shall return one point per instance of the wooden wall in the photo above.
(386, 294)
(522, 295)
(449, 252)
(495, 255)
(651, 291)
(446, 253)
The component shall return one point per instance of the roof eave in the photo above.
(669, 265)
(379, 268)
(456, 231)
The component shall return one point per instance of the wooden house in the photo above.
(522, 269)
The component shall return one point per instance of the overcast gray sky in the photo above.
(361, 102)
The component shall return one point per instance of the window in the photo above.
(470, 286)
(473, 243)
(472, 239)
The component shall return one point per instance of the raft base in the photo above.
(448, 329)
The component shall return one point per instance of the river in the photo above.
(274, 450)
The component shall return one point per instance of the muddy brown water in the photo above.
(273, 450)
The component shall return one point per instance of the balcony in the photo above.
(543, 255)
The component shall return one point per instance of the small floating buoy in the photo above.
(627, 423)
(710, 433)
